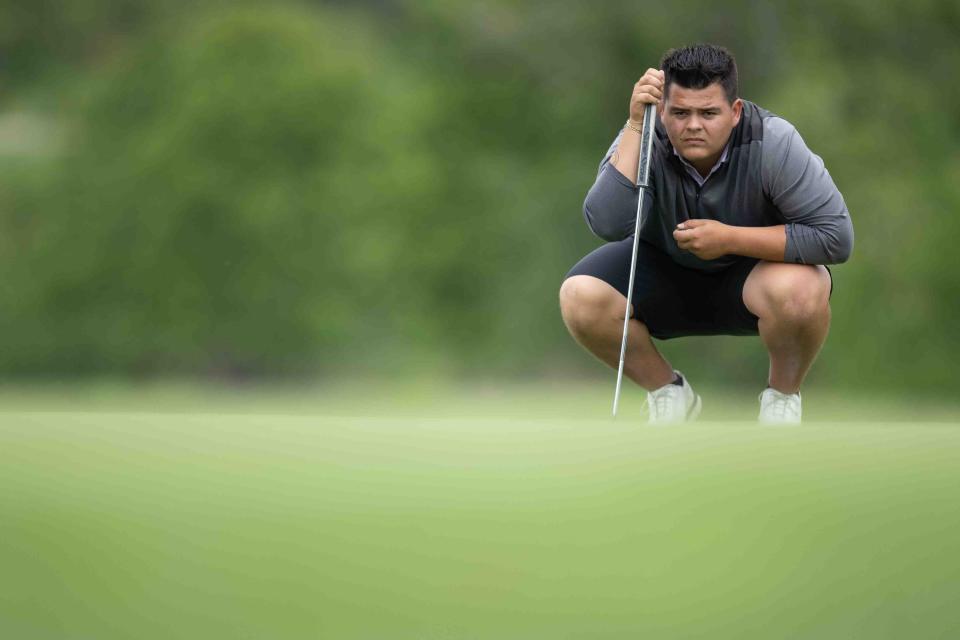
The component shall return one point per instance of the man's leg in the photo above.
(593, 312)
(792, 302)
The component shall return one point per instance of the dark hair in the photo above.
(698, 66)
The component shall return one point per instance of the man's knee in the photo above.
(794, 293)
(587, 303)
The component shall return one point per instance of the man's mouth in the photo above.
(695, 141)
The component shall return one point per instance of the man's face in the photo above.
(699, 122)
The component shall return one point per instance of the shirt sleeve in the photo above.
(610, 207)
(818, 225)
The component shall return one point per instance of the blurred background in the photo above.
(282, 354)
(316, 191)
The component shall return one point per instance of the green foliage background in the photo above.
(302, 189)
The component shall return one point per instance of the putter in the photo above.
(643, 177)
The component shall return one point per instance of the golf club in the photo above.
(643, 176)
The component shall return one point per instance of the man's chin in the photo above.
(696, 154)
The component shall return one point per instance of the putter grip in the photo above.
(646, 145)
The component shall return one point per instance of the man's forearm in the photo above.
(766, 243)
(627, 154)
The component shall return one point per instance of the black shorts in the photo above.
(674, 301)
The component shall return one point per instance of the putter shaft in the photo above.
(643, 177)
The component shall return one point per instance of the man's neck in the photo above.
(706, 165)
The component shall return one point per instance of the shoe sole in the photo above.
(691, 414)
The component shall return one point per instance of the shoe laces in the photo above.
(662, 399)
(781, 405)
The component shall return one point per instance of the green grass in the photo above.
(176, 512)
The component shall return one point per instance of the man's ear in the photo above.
(737, 111)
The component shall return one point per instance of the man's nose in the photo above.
(694, 123)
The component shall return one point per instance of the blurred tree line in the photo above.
(391, 186)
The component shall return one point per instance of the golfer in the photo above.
(738, 221)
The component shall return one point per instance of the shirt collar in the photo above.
(693, 170)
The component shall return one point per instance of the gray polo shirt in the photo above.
(767, 176)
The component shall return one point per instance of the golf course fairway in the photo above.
(222, 525)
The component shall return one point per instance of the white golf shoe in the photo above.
(673, 403)
(779, 408)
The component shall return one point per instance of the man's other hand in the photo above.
(706, 239)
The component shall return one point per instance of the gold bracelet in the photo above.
(636, 127)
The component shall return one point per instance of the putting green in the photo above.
(146, 525)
